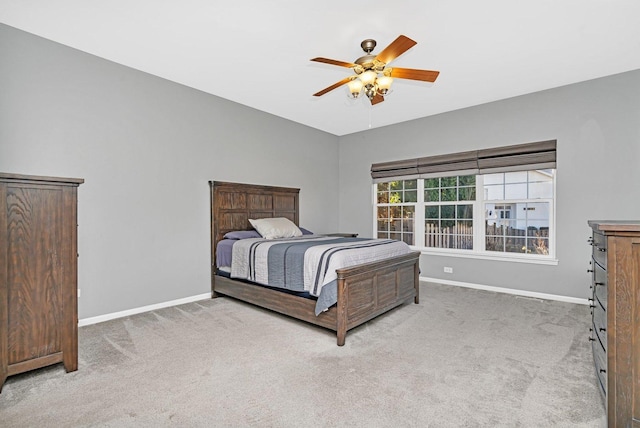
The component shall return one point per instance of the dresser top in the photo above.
(40, 179)
(615, 225)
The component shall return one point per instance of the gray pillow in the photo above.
(242, 234)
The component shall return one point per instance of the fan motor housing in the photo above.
(366, 61)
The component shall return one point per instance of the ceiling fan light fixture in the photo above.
(384, 84)
(372, 76)
(355, 86)
(368, 78)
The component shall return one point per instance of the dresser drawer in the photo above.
(599, 245)
(600, 363)
(600, 324)
(600, 284)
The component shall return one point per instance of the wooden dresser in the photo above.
(615, 329)
(38, 273)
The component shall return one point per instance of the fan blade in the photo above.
(377, 98)
(334, 62)
(395, 49)
(332, 87)
(414, 74)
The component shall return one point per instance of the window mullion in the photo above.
(374, 202)
(418, 225)
(478, 216)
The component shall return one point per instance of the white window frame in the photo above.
(478, 251)
(388, 204)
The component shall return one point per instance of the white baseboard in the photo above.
(107, 317)
(544, 296)
(534, 294)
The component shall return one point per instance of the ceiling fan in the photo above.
(372, 73)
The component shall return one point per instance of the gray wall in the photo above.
(146, 148)
(597, 125)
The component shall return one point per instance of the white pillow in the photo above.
(277, 227)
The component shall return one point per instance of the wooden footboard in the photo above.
(368, 290)
(364, 292)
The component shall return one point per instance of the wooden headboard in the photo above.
(233, 204)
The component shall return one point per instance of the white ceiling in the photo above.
(257, 52)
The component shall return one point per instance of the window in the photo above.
(509, 212)
(396, 210)
(448, 211)
(518, 207)
(495, 202)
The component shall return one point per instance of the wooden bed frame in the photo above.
(364, 291)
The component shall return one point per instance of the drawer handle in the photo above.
(591, 339)
(602, 249)
(602, 329)
(603, 371)
(592, 306)
(589, 270)
(599, 283)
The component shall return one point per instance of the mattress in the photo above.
(305, 264)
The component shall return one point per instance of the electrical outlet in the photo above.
(448, 269)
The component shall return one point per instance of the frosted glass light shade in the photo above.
(384, 84)
(368, 77)
(355, 86)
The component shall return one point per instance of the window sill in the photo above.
(512, 258)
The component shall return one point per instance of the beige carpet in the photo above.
(461, 358)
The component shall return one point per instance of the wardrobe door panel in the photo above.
(34, 273)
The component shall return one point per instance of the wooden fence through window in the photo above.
(498, 238)
(457, 236)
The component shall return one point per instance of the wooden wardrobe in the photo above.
(38, 273)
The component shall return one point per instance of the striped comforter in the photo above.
(308, 263)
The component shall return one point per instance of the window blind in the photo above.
(538, 155)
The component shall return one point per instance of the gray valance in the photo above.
(539, 155)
